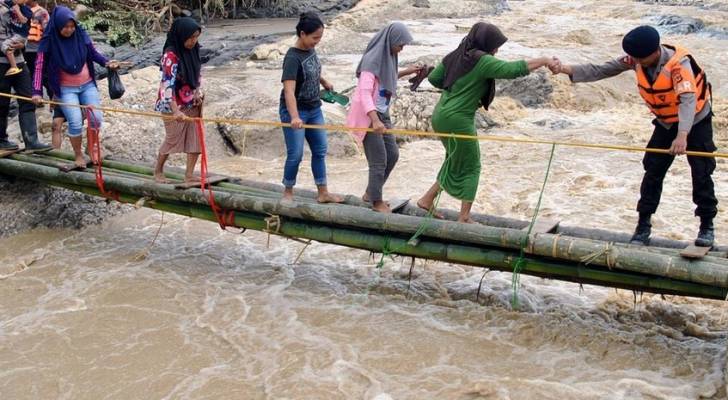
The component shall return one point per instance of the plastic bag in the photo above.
(116, 88)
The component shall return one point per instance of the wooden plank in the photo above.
(5, 153)
(33, 151)
(71, 166)
(695, 252)
(543, 225)
(397, 205)
(209, 181)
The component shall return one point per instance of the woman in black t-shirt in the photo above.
(300, 104)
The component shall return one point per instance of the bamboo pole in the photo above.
(545, 245)
(494, 221)
(500, 260)
(139, 172)
(265, 189)
(148, 171)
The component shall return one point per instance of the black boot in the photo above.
(643, 230)
(706, 235)
(29, 130)
(5, 143)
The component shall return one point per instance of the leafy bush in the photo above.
(132, 21)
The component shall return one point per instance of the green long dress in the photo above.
(455, 113)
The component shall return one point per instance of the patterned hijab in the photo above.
(190, 63)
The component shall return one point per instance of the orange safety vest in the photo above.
(662, 95)
(36, 29)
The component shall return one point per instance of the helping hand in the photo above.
(555, 66)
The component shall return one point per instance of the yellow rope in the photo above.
(402, 132)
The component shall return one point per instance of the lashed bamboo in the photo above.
(496, 259)
(578, 232)
(497, 221)
(544, 245)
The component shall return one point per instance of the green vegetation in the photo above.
(132, 21)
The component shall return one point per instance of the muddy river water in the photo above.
(206, 314)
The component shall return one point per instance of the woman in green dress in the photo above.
(467, 76)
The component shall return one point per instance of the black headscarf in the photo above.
(482, 39)
(190, 63)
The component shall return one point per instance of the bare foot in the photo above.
(382, 207)
(429, 208)
(159, 178)
(192, 179)
(80, 161)
(467, 220)
(366, 199)
(288, 194)
(329, 198)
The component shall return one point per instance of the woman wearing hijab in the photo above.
(180, 94)
(377, 85)
(68, 54)
(467, 76)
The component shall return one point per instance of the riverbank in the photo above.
(205, 313)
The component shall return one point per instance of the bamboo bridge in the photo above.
(554, 251)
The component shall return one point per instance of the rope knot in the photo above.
(272, 225)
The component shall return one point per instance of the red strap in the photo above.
(224, 218)
(94, 145)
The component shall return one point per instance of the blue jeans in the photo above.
(316, 139)
(86, 94)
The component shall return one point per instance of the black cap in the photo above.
(642, 41)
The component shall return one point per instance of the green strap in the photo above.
(386, 252)
(430, 213)
(521, 260)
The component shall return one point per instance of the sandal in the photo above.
(421, 76)
(13, 71)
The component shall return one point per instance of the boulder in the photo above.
(269, 51)
(679, 25)
(531, 90)
(413, 110)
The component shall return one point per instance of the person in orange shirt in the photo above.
(38, 23)
(677, 92)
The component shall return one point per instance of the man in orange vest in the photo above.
(677, 92)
